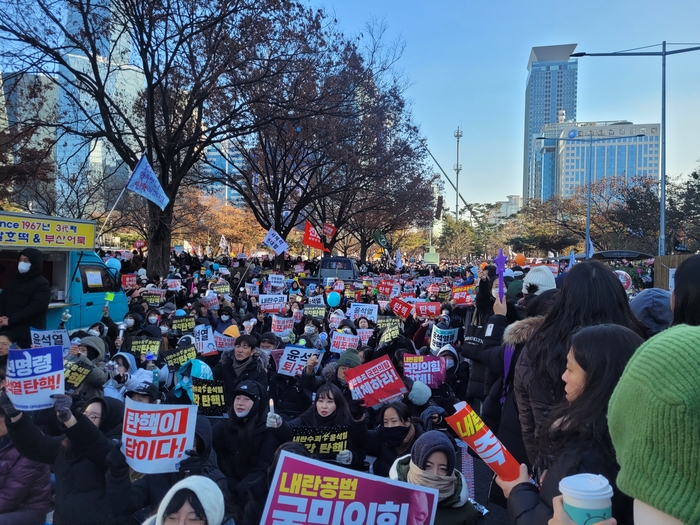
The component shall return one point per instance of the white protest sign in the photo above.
(368, 311)
(316, 300)
(223, 342)
(276, 280)
(441, 337)
(33, 376)
(364, 334)
(282, 326)
(204, 337)
(272, 302)
(341, 342)
(174, 284)
(46, 338)
(294, 358)
(155, 437)
(211, 301)
(252, 290)
(275, 242)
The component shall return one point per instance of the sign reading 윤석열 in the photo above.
(21, 231)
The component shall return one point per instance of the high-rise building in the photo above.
(222, 161)
(575, 151)
(550, 96)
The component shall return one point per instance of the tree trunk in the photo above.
(363, 249)
(159, 236)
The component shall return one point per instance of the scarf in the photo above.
(406, 443)
(444, 484)
(240, 366)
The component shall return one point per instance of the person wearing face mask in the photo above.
(90, 351)
(25, 300)
(333, 373)
(100, 330)
(289, 396)
(243, 444)
(392, 439)
(125, 376)
(223, 321)
(454, 388)
(152, 316)
(312, 332)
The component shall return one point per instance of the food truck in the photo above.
(80, 282)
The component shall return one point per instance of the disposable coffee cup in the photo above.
(587, 498)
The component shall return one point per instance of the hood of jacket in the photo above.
(151, 330)
(204, 431)
(519, 332)
(37, 260)
(112, 415)
(192, 368)
(97, 344)
(399, 471)
(129, 359)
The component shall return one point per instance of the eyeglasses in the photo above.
(93, 417)
(189, 520)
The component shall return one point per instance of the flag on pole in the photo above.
(399, 262)
(145, 182)
(590, 250)
(572, 258)
(275, 242)
(329, 230)
(312, 238)
(223, 244)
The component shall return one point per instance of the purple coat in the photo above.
(24, 484)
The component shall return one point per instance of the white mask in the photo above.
(242, 414)
(94, 333)
(129, 322)
(23, 267)
(225, 318)
(494, 292)
(152, 320)
(310, 330)
(449, 363)
(163, 329)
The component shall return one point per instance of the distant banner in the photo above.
(272, 303)
(224, 342)
(375, 382)
(322, 442)
(276, 281)
(364, 334)
(282, 326)
(276, 243)
(177, 357)
(401, 308)
(316, 300)
(211, 301)
(46, 338)
(429, 310)
(147, 346)
(368, 311)
(129, 280)
(384, 321)
(428, 369)
(33, 376)
(464, 295)
(385, 289)
(252, 289)
(184, 323)
(146, 183)
(441, 337)
(315, 312)
(209, 397)
(174, 284)
(306, 490)
(329, 230)
(74, 373)
(293, 359)
(153, 299)
(204, 340)
(155, 437)
(341, 342)
(221, 288)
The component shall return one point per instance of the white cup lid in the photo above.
(586, 486)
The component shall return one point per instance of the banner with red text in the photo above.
(312, 238)
(375, 382)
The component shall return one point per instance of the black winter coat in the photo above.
(255, 371)
(311, 382)
(25, 300)
(79, 463)
(25, 485)
(374, 445)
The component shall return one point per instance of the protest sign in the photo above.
(46, 338)
(401, 308)
(185, 323)
(204, 340)
(152, 298)
(176, 357)
(316, 300)
(224, 342)
(368, 311)
(221, 288)
(293, 359)
(322, 442)
(211, 301)
(385, 321)
(155, 437)
(395, 290)
(315, 312)
(341, 342)
(441, 337)
(306, 490)
(129, 280)
(282, 326)
(275, 242)
(33, 376)
(428, 369)
(329, 230)
(408, 295)
(272, 303)
(297, 316)
(276, 281)
(208, 395)
(150, 345)
(375, 382)
(174, 284)
(364, 334)
(428, 310)
(252, 289)
(74, 373)
(385, 289)
(299, 268)
(464, 295)
(388, 335)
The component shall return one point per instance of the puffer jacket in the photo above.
(79, 463)
(312, 382)
(500, 412)
(25, 485)
(255, 371)
(374, 445)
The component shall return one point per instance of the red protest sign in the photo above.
(129, 280)
(433, 288)
(428, 369)
(329, 230)
(375, 382)
(428, 309)
(464, 294)
(312, 238)
(140, 244)
(339, 286)
(401, 308)
(385, 289)
(305, 490)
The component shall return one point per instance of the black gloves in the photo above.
(7, 405)
(192, 466)
(356, 409)
(62, 407)
(116, 461)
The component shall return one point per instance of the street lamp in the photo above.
(589, 173)
(663, 53)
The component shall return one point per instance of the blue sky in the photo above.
(467, 63)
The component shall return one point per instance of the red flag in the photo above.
(329, 230)
(312, 238)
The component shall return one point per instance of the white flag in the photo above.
(399, 262)
(223, 244)
(274, 241)
(145, 182)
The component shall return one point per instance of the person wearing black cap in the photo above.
(25, 300)
(144, 393)
(243, 444)
(431, 463)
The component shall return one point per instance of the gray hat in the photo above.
(540, 276)
(433, 441)
(652, 308)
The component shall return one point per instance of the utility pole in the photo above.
(457, 168)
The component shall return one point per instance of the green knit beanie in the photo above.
(654, 420)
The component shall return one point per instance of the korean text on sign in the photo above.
(146, 346)
(33, 376)
(272, 302)
(401, 308)
(464, 294)
(306, 490)
(341, 342)
(75, 372)
(176, 357)
(282, 326)
(441, 337)
(430, 310)
(49, 233)
(209, 397)
(46, 338)
(375, 382)
(322, 442)
(204, 340)
(155, 437)
(368, 311)
(428, 369)
(294, 358)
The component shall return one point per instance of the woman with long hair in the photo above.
(685, 298)
(329, 409)
(590, 295)
(576, 438)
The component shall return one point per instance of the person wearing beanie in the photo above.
(431, 463)
(652, 307)
(539, 279)
(193, 496)
(654, 417)
(454, 388)
(333, 372)
(223, 321)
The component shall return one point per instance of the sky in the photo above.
(467, 65)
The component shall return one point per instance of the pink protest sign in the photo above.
(428, 369)
(306, 490)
